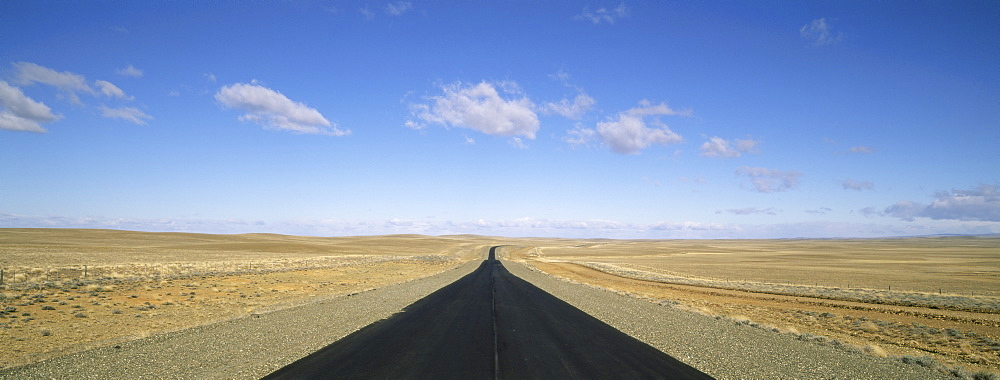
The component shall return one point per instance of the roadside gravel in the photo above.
(244, 348)
(721, 348)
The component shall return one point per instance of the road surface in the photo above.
(489, 324)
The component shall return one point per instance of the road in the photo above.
(489, 324)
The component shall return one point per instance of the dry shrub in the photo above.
(869, 326)
(874, 350)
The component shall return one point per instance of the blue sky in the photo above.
(635, 119)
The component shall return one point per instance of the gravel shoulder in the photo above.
(721, 348)
(244, 348)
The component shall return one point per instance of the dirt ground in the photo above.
(956, 338)
(67, 290)
(49, 323)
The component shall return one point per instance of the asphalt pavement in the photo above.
(489, 324)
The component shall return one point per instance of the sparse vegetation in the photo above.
(955, 302)
(80, 283)
(792, 287)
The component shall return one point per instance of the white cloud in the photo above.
(130, 71)
(580, 136)
(210, 77)
(480, 107)
(905, 210)
(603, 15)
(561, 76)
(751, 211)
(518, 143)
(851, 184)
(572, 110)
(719, 147)
(522, 227)
(27, 73)
(126, 113)
(628, 132)
(979, 204)
(18, 112)
(398, 8)
(820, 211)
(770, 180)
(110, 90)
(271, 109)
(861, 150)
(818, 32)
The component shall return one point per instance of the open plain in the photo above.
(928, 298)
(69, 292)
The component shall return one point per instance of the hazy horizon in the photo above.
(603, 119)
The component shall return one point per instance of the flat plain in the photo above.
(931, 299)
(926, 301)
(67, 290)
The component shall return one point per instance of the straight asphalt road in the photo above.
(489, 324)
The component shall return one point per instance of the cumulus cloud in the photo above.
(27, 73)
(905, 210)
(979, 204)
(71, 84)
(130, 71)
(719, 147)
(580, 136)
(131, 114)
(480, 107)
(871, 211)
(770, 180)
(602, 15)
(398, 8)
(18, 112)
(818, 32)
(629, 132)
(569, 108)
(574, 109)
(271, 109)
(110, 90)
(851, 184)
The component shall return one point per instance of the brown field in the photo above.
(935, 297)
(69, 290)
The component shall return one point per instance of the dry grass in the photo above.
(69, 290)
(943, 307)
(967, 266)
(941, 311)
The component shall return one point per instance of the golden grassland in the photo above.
(925, 300)
(68, 290)
(956, 265)
(922, 300)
